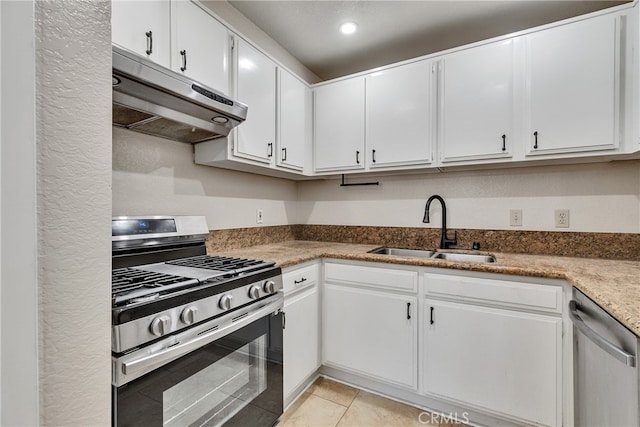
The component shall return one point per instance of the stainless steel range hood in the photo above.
(151, 99)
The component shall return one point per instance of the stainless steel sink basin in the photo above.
(403, 252)
(464, 257)
(449, 256)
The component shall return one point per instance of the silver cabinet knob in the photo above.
(188, 315)
(269, 286)
(160, 325)
(254, 292)
(225, 302)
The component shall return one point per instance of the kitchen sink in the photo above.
(403, 252)
(464, 257)
(448, 256)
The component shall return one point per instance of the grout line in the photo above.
(348, 407)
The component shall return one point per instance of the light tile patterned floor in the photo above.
(331, 404)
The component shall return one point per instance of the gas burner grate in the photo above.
(220, 263)
(128, 284)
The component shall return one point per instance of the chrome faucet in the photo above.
(444, 241)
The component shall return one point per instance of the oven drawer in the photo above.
(300, 277)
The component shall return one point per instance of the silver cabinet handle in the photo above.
(615, 351)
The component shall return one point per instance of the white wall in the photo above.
(73, 95)
(18, 280)
(603, 197)
(156, 176)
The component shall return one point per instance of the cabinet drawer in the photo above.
(372, 276)
(496, 292)
(300, 277)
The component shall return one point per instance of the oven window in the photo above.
(233, 381)
(218, 392)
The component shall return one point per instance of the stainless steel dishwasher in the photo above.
(605, 367)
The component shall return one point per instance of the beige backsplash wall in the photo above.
(156, 176)
(602, 197)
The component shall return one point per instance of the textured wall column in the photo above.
(73, 136)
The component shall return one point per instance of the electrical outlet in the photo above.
(562, 218)
(259, 216)
(515, 217)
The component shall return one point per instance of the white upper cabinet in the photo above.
(339, 126)
(573, 87)
(200, 46)
(477, 103)
(399, 106)
(294, 121)
(143, 27)
(255, 86)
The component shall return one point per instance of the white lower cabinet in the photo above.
(488, 345)
(371, 332)
(502, 361)
(302, 328)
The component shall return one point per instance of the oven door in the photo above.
(225, 372)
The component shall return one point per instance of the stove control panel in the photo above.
(137, 332)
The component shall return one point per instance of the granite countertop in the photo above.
(613, 284)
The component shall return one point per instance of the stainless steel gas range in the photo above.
(196, 339)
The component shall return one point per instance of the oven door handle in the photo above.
(135, 368)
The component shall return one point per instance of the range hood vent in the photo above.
(151, 99)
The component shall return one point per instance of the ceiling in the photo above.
(392, 31)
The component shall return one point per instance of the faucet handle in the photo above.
(448, 241)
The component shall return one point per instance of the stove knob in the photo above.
(188, 315)
(225, 302)
(269, 286)
(160, 325)
(254, 292)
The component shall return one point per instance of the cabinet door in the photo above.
(503, 361)
(371, 332)
(142, 26)
(301, 339)
(256, 87)
(399, 110)
(294, 121)
(339, 126)
(477, 103)
(573, 87)
(201, 46)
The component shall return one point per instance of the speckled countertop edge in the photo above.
(613, 284)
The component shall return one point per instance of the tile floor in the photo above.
(329, 404)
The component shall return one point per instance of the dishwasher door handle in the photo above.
(615, 351)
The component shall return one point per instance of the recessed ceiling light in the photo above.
(348, 28)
